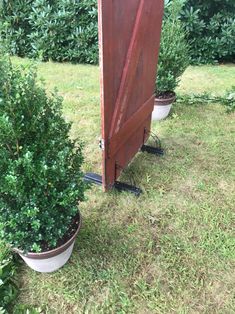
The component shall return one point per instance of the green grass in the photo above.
(213, 79)
(173, 249)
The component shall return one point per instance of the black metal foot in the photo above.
(93, 178)
(124, 187)
(119, 186)
(152, 150)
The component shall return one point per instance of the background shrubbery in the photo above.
(211, 29)
(66, 30)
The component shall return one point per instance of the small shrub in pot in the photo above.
(173, 58)
(41, 181)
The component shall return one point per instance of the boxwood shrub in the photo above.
(174, 51)
(41, 181)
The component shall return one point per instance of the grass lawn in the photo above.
(172, 250)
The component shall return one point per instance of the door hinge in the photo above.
(102, 144)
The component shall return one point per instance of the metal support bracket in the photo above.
(119, 186)
(124, 187)
(93, 178)
(152, 150)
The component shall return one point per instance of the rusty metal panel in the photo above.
(129, 40)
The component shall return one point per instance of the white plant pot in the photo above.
(50, 261)
(49, 265)
(162, 107)
(160, 112)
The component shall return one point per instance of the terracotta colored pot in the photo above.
(50, 261)
(162, 107)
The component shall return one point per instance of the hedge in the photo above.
(60, 30)
(211, 29)
(66, 30)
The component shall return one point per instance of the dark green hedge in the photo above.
(14, 25)
(60, 30)
(66, 30)
(211, 29)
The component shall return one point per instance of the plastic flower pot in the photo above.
(50, 261)
(162, 107)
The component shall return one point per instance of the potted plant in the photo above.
(41, 181)
(173, 61)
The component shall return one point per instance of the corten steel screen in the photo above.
(129, 40)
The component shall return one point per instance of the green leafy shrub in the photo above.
(8, 288)
(64, 30)
(14, 25)
(211, 29)
(41, 181)
(174, 52)
(67, 29)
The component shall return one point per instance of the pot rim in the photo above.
(165, 101)
(53, 252)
